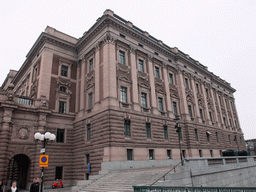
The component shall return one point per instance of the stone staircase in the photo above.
(121, 181)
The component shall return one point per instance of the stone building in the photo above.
(110, 96)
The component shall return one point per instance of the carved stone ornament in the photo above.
(44, 102)
(90, 76)
(62, 81)
(223, 111)
(23, 132)
(201, 102)
(89, 86)
(189, 98)
(229, 113)
(109, 39)
(142, 75)
(10, 95)
(186, 74)
(123, 68)
(124, 78)
(174, 94)
(144, 85)
(217, 108)
(159, 81)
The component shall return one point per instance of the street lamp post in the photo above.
(178, 130)
(44, 139)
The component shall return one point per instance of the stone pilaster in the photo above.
(207, 116)
(196, 112)
(167, 89)
(82, 104)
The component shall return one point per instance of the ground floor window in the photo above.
(58, 173)
(129, 155)
(151, 154)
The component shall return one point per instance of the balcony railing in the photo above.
(25, 101)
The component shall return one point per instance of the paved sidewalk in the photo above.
(65, 189)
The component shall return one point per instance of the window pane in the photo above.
(175, 111)
(58, 173)
(190, 111)
(122, 57)
(169, 154)
(171, 78)
(90, 65)
(141, 65)
(60, 136)
(196, 134)
(127, 130)
(186, 83)
(90, 100)
(151, 154)
(62, 107)
(217, 137)
(165, 132)
(64, 71)
(210, 114)
(197, 88)
(201, 114)
(63, 89)
(123, 93)
(88, 132)
(129, 154)
(143, 99)
(160, 104)
(148, 129)
(157, 72)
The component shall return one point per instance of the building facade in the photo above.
(110, 96)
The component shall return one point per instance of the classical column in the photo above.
(5, 137)
(182, 93)
(109, 72)
(135, 93)
(207, 116)
(97, 74)
(197, 114)
(45, 74)
(167, 90)
(77, 86)
(82, 104)
(215, 109)
(152, 85)
(226, 111)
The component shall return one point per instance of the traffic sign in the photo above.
(43, 161)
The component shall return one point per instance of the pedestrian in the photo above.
(35, 185)
(13, 187)
(1, 186)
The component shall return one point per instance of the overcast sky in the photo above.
(219, 34)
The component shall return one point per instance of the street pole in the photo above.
(178, 130)
(42, 175)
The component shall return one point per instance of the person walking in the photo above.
(35, 185)
(1, 186)
(13, 187)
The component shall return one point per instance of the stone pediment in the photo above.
(124, 78)
(144, 85)
(89, 86)
(142, 75)
(123, 68)
(160, 91)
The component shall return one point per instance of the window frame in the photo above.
(127, 127)
(169, 154)
(62, 172)
(60, 139)
(157, 72)
(165, 127)
(123, 94)
(129, 153)
(160, 104)
(91, 65)
(171, 78)
(62, 107)
(141, 65)
(88, 132)
(144, 102)
(122, 57)
(90, 100)
(151, 154)
(148, 130)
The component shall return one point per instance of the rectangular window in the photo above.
(229, 139)
(207, 93)
(196, 134)
(129, 154)
(58, 173)
(144, 100)
(217, 137)
(63, 89)
(60, 135)
(190, 111)
(230, 122)
(165, 132)
(141, 65)
(62, 106)
(148, 130)
(171, 78)
(175, 111)
(183, 153)
(210, 114)
(64, 71)
(121, 57)
(236, 123)
(87, 159)
(123, 93)
(211, 152)
(169, 154)
(208, 137)
(127, 127)
(200, 153)
(224, 120)
(160, 104)
(186, 83)
(220, 100)
(201, 114)
(226, 103)
(91, 65)
(157, 72)
(197, 88)
(90, 100)
(231, 103)
(88, 132)
(151, 154)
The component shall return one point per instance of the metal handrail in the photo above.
(166, 173)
